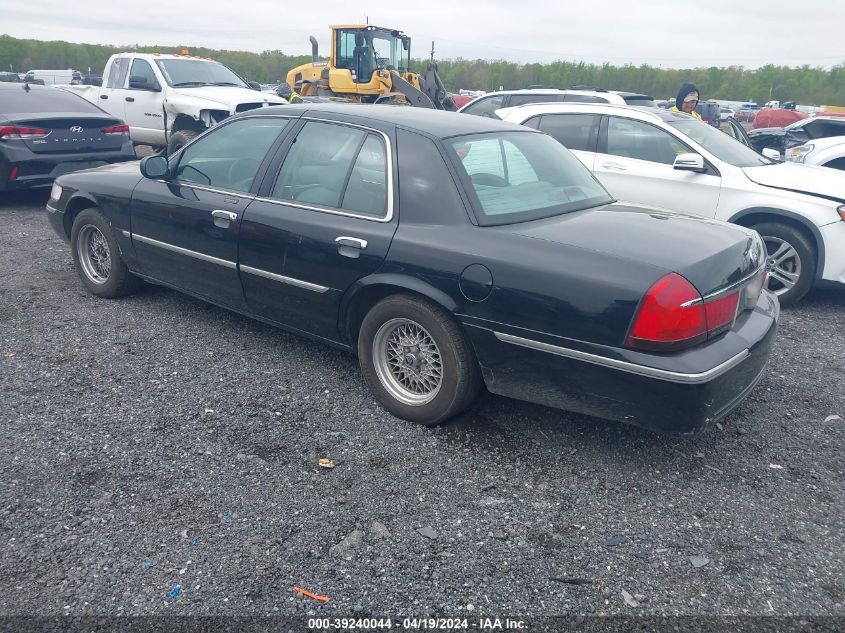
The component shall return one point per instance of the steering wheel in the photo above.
(490, 180)
(242, 172)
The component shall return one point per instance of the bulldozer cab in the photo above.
(362, 50)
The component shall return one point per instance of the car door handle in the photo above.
(130, 99)
(614, 166)
(223, 218)
(104, 96)
(352, 242)
(350, 246)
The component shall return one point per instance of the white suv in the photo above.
(672, 161)
(492, 101)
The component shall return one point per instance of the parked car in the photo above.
(46, 132)
(825, 152)
(54, 77)
(802, 131)
(169, 99)
(447, 252)
(776, 117)
(725, 114)
(669, 160)
(709, 112)
(492, 101)
(7, 77)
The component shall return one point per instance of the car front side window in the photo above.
(229, 156)
(635, 139)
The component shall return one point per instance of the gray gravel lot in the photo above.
(157, 440)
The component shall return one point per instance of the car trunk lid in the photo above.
(711, 254)
(71, 134)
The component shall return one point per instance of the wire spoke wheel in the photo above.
(94, 254)
(783, 264)
(407, 361)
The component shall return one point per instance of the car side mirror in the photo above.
(154, 167)
(690, 162)
(254, 85)
(773, 154)
(140, 83)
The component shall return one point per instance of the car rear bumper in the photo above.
(678, 393)
(24, 169)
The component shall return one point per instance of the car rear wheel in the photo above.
(97, 257)
(790, 261)
(416, 360)
(179, 139)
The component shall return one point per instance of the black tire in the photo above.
(109, 282)
(774, 232)
(460, 378)
(179, 139)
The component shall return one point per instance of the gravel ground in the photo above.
(156, 440)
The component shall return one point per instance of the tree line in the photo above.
(804, 84)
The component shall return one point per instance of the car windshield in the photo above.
(521, 176)
(197, 72)
(719, 144)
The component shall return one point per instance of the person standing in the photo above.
(687, 100)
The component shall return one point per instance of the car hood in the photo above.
(825, 143)
(710, 253)
(807, 179)
(229, 96)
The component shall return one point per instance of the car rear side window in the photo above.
(573, 131)
(229, 156)
(640, 101)
(117, 73)
(518, 100)
(635, 139)
(336, 166)
(524, 176)
(485, 106)
(585, 99)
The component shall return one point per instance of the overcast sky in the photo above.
(668, 33)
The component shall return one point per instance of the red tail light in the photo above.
(673, 316)
(116, 129)
(8, 132)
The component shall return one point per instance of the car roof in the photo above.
(437, 123)
(645, 114)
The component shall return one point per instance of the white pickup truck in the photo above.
(168, 99)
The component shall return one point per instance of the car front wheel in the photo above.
(97, 258)
(790, 261)
(417, 361)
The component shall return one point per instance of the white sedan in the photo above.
(670, 160)
(827, 152)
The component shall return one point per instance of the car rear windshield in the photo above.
(42, 100)
(641, 101)
(197, 72)
(719, 144)
(521, 176)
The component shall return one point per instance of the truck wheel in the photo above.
(417, 361)
(97, 257)
(790, 260)
(179, 139)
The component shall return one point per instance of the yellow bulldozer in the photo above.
(370, 64)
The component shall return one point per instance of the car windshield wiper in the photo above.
(225, 83)
(182, 84)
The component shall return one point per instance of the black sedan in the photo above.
(46, 132)
(448, 252)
